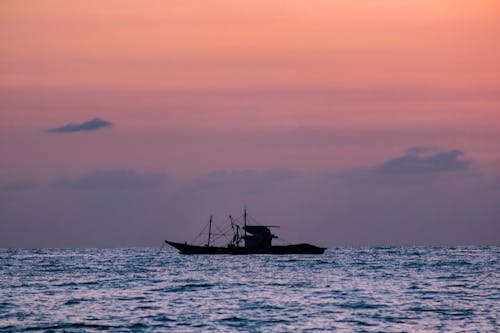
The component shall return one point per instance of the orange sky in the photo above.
(222, 44)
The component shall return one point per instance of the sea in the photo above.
(347, 289)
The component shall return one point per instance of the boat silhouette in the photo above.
(257, 239)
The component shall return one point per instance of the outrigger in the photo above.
(257, 240)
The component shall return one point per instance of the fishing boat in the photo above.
(257, 239)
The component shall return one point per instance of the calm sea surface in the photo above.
(412, 289)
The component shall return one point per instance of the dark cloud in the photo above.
(419, 160)
(90, 125)
(132, 208)
(113, 180)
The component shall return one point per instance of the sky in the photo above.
(348, 123)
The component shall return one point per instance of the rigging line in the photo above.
(258, 223)
(238, 220)
(225, 236)
(201, 233)
(161, 248)
(221, 232)
(220, 235)
(217, 238)
(226, 233)
(228, 228)
(254, 220)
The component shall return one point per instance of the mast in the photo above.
(233, 241)
(238, 235)
(209, 230)
(245, 223)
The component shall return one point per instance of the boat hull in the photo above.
(275, 249)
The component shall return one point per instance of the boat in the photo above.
(257, 239)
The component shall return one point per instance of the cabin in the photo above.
(258, 236)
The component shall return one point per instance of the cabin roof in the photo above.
(257, 229)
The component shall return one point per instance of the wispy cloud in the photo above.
(90, 125)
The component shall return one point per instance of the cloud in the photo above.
(419, 160)
(113, 180)
(90, 125)
(433, 201)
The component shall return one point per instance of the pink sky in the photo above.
(426, 69)
(197, 86)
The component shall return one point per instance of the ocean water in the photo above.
(395, 289)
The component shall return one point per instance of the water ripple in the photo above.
(383, 289)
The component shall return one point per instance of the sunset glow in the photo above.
(191, 87)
